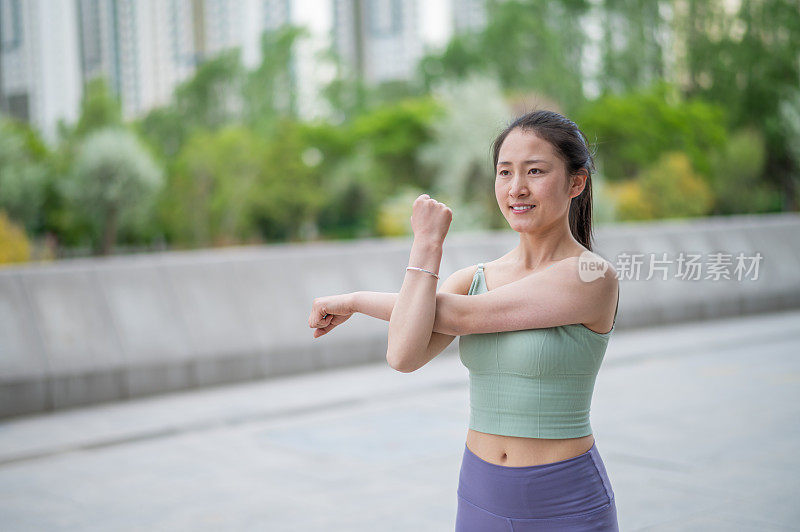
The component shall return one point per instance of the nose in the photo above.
(518, 186)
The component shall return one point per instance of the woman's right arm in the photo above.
(380, 305)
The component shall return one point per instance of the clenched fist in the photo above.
(330, 311)
(430, 219)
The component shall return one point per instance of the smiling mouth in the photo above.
(522, 210)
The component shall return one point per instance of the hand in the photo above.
(329, 311)
(430, 219)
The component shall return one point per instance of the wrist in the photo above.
(427, 243)
(426, 254)
(354, 301)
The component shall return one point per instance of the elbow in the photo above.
(398, 364)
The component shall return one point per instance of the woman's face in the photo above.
(530, 173)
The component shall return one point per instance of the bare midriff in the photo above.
(515, 451)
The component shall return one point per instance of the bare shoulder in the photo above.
(459, 281)
(589, 270)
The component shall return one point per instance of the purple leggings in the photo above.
(573, 494)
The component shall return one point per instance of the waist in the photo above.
(514, 451)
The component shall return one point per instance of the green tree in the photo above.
(459, 154)
(632, 130)
(670, 188)
(632, 49)
(209, 195)
(270, 91)
(746, 60)
(737, 181)
(23, 174)
(529, 45)
(289, 197)
(394, 134)
(114, 183)
(460, 59)
(789, 128)
(212, 98)
(99, 108)
(233, 185)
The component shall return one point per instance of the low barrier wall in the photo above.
(84, 331)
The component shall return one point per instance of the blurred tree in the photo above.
(744, 56)
(209, 100)
(536, 45)
(789, 127)
(461, 58)
(634, 129)
(209, 195)
(233, 185)
(294, 187)
(270, 91)
(346, 94)
(99, 108)
(631, 202)
(527, 44)
(114, 183)
(670, 188)
(23, 174)
(394, 214)
(459, 156)
(368, 159)
(603, 204)
(737, 182)
(354, 191)
(394, 134)
(213, 96)
(14, 245)
(633, 41)
(164, 130)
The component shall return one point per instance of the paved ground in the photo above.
(698, 426)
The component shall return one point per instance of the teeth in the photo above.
(522, 208)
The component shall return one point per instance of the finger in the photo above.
(319, 331)
(324, 321)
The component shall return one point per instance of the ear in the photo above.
(578, 183)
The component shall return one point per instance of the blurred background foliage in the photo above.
(228, 160)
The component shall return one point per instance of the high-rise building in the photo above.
(49, 49)
(378, 40)
(144, 48)
(40, 79)
(468, 15)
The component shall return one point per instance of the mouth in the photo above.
(521, 209)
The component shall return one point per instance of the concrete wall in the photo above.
(84, 331)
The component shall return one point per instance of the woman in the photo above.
(533, 326)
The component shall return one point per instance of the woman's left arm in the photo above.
(560, 295)
(412, 319)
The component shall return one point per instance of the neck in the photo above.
(538, 249)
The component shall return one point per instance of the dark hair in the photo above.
(571, 145)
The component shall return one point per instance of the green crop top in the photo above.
(536, 383)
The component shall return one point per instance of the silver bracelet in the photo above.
(420, 269)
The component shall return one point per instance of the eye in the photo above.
(501, 172)
(532, 169)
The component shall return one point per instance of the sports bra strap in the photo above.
(480, 265)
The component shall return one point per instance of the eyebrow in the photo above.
(529, 161)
